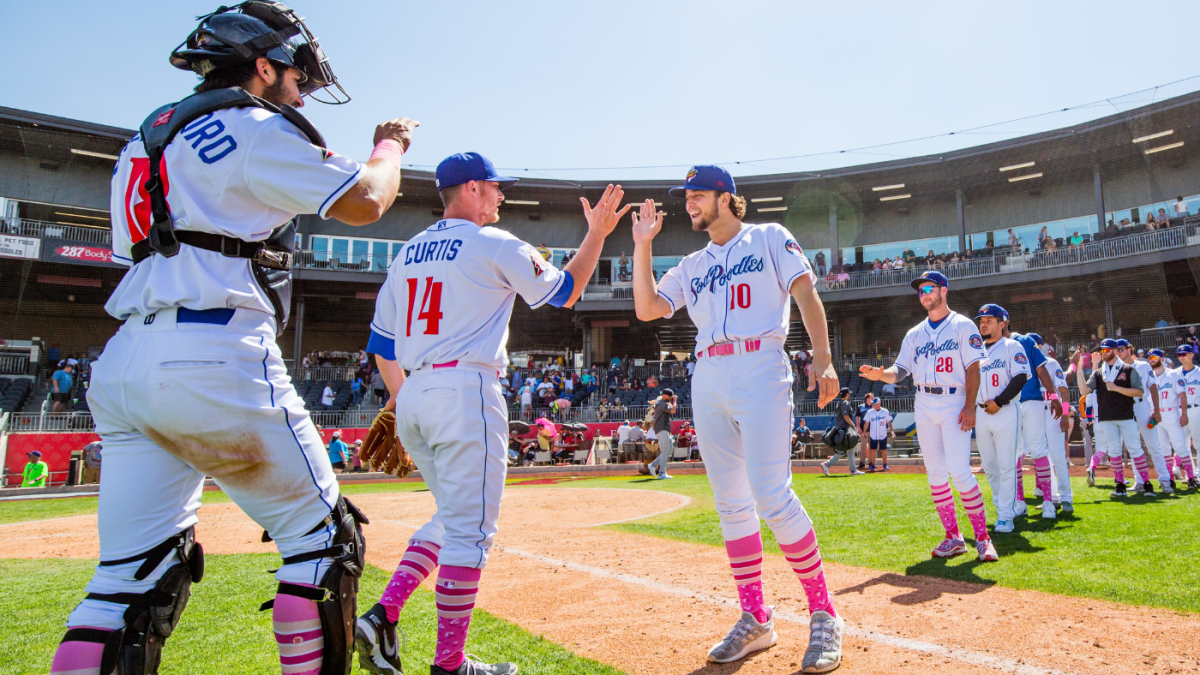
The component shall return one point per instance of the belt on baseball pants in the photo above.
(1193, 405)
(937, 391)
(480, 367)
(234, 318)
(740, 347)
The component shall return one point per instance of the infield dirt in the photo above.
(650, 605)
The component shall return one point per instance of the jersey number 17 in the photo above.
(430, 310)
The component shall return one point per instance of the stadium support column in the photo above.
(962, 220)
(1099, 187)
(835, 252)
(297, 355)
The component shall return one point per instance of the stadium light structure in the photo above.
(881, 188)
(757, 200)
(1143, 139)
(1025, 177)
(89, 153)
(521, 202)
(80, 215)
(1151, 151)
(1014, 167)
(892, 198)
(772, 208)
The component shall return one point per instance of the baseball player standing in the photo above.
(1145, 409)
(1116, 385)
(943, 354)
(879, 426)
(1189, 379)
(664, 407)
(997, 432)
(1060, 495)
(443, 316)
(1037, 390)
(193, 383)
(1172, 404)
(737, 291)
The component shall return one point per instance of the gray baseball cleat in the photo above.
(1068, 508)
(747, 635)
(375, 642)
(471, 666)
(824, 643)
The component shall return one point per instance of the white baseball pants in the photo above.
(452, 422)
(945, 447)
(1172, 436)
(1060, 465)
(743, 411)
(1142, 412)
(1033, 429)
(176, 402)
(997, 436)
(1110, 435)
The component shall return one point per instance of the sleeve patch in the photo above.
(793, 248)
(1020, 358)
(977, 343)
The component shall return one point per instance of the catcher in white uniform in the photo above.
(998, 428)
(944, 354)
(443, 316)
(193, 383)
(738, 291)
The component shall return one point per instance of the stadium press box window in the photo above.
(353, 252)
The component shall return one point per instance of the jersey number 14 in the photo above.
(430, 310)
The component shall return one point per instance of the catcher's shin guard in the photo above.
(152, 616)
(337, 594)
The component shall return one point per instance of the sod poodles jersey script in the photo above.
(738, 291)
(938, 354)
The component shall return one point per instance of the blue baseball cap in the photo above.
(993, 310)
(1121, 342)
(468, 166)
(33, 453)
(1037, 339)
(1109, 343)
(935, 277)
(705, 177)
(1156, 352)
(1184, 349)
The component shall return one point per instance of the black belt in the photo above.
(226, 246)
(937, 390)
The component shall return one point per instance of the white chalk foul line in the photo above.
(962, 655)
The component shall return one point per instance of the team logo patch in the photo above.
(976, 342)
(1059, 374)
(326, 154)
(1020, 358)
(163, 118)
(690, 175)
(538, 264)
(793, 248)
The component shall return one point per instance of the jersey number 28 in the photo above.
(945, 364)
(430, 310)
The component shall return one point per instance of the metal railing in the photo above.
(322, 373)
(594, 414)
(14, 364)
(903, 276)
(41, 229)
(343, 262)
(19, 422)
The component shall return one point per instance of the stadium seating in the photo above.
(14, 392)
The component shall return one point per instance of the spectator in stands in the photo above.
(910, 258)
(559, 407)
(378, 387)
(842, 277)
(623, 432)
(1076, 239)
(618, 410)
(1013, 241)
(877, 266)
(544, 252)
(338, 453)
(1152, 222)
(819, 259)
(526, 401)
(60, 393)
(889, 388)
(1044, 238)
(968, 255)
(327, 395)
(1163, 220)
(691, 365)
(355, 460)
(1050, 245)
(52, 354)
(1161, 323)
(356, 387)
(623, 266)
(602, 410)
(897, 263)
(930, 259)
(545, 387)
(36, 472)
(1181, 209)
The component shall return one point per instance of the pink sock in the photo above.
(456, 589)
(1118, 468)
(1186, 462)
(1095, 461)
(805, 558)
(943, 501)
(298, 633)
(1020, 479)
(417, 564)
(745, 559)
(1173, 463)
(77, 657)
(973, 504)
(1142, 467)
(1041, 468)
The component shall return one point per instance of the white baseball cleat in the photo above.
(1048, 510)
(824, 651)
(825, 468)
(1004, 526)
(746, 636)
(1021, 508)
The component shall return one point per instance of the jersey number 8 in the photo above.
(945, 364)
(995, 379)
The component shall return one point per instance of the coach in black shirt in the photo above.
(1116, 385)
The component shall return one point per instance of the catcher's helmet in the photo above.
(244, 32)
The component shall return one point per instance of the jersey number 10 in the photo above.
(739, 296)
(431, 305)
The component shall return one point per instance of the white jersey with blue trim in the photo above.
(877, 422)
(1005, 360)
(1148, 378)
(938, 355)
(1189, 381)
(449, 295)
(238, 172)
(739, 291)
(1057, 376)
(1170, 386)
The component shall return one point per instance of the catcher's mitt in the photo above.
(382, 451)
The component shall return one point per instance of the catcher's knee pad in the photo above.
(151, 617)
(337, 594)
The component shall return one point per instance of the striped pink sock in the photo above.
(456, 589)
(943, 501)
(78, 658)
(1095, 461)
(745, 559)
(298, 633)
(1142, 467)
(1118, 468)
(973, 504)
(1186, 462)
(417, 564)
(805, 558)
(1041, 468)
(1020, 479)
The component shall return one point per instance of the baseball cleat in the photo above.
(1048, 510)
(824, 651)
(1167, 488)
(885, 467)
(986, 551)
(1148, 490)
(871, 469)
(1120, 491)
(746, 636)
(1068, 508)
(949, 548)
(856, 472)
(1091, 480)
(1021, 508)
(1037, 492)
(470, 666)
(1177, 473)
(1003, 526)
(1193, 484)
(375, 642)
(664, 476)
(825, 468)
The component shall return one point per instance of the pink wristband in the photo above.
(389, 149)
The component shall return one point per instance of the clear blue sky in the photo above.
(554, 85)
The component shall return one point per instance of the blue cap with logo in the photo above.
(935, 277)
(705, 177)
(1037, 339)
(1109, 343)
(468, 166)
(1184, 349)
(1156, 352)
(1121, 342)
(993, 310)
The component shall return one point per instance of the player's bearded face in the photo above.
(490, 200)
(931, 301)
(286, 89)
(989, 327)
(703, 209)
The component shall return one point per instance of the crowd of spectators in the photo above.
(610, 389)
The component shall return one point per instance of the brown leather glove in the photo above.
(380, 440)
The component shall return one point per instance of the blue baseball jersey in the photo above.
(1032, 391)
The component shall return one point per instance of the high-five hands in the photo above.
(647, 223)
(604, 217)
